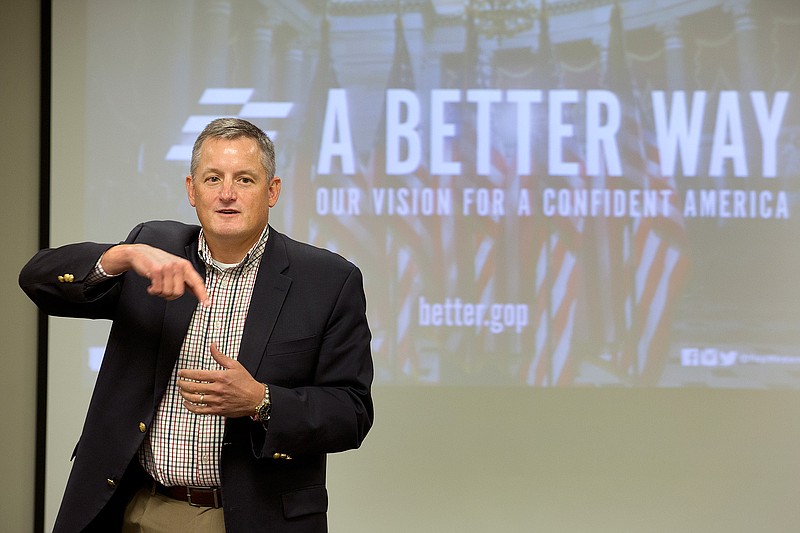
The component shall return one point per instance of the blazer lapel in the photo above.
(269, 294)
(177, 316)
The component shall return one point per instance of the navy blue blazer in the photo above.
(306, 335)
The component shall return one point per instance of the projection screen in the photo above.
(547, 194)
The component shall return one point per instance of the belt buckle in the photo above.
(214, 492)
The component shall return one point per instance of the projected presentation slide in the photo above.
(546, 194)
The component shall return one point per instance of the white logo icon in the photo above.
(195, 123)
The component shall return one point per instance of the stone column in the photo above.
(216, 34)
(749, 74)
(673, 51)
(262, 61)
(746, 42)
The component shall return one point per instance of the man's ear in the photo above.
(274, 191)
(190, 190)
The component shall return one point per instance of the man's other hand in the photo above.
(230, 392)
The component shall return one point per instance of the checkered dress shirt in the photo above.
(183, 448)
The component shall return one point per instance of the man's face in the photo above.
(232, 196)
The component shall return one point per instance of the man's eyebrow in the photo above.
(248, 171)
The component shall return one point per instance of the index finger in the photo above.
(197, 375)
(194, 281)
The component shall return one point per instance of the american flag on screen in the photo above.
(652, 257)
(306, 154)
(409, 242)
(557, 278)
(483, 234)
(335, 230)
(557, 243)
(488, 244)
(343, 222)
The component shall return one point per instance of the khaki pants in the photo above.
(156, 513)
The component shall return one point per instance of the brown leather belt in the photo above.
(197, 496)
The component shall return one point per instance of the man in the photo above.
(237, 359)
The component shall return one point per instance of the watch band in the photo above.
(264, 409)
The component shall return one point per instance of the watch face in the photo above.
(263, 412)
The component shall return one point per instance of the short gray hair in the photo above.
(234, 128)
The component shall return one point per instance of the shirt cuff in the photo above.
(98, 274)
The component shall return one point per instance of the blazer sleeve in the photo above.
(335, 413)
(55, 280)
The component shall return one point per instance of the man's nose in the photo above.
(227, 193)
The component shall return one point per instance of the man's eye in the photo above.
(212, 179)
(245, 179)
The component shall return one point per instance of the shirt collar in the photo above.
(250, 259)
